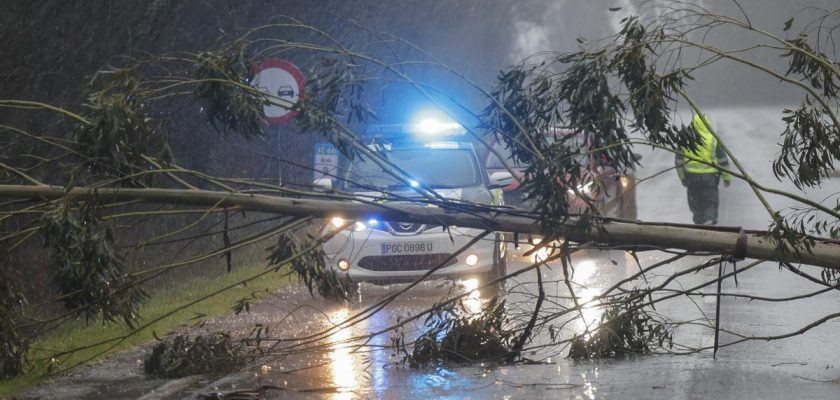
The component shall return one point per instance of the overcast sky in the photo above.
(485, 43)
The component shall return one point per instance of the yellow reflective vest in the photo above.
(706, 156)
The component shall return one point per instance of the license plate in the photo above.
(407, 248)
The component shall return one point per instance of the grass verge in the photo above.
(76, 334)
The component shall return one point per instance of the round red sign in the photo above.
(284, 82)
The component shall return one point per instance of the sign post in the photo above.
(285, 83)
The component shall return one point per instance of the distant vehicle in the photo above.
(612, 193)
(286, 91)
(383, 251)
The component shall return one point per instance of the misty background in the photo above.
(496, 33)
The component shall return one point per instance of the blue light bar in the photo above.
(434, 127)
(425, 130)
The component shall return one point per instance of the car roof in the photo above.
(400, 134)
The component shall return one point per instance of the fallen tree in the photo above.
(761, 245)
(87, 189)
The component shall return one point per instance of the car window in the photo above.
(439, 168)
(493, 162)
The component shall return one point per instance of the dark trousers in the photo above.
(703, 197)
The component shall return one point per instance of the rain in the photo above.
(475, 199)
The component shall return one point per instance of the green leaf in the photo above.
(788, 23)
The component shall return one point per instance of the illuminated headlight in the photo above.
(584, 188)
(339, 222)
(343, 264)
(471, 260)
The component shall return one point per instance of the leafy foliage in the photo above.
(222, 86)
(13, 344)
(117, 135)
(309, 265)
(525, 113)
(811, 140)
(637, 72)
(334, 98)
(788, 238)
(810, 147)
(625, 328)
(814, 67)
(649, 93)
(86, 268)
(545, 117)
(182, 355)
(456, 335)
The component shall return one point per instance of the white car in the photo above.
(381, 251)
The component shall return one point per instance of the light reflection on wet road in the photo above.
(774, 370)
(342, 361)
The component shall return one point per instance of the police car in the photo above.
(436, 157)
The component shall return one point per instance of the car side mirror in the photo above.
(322, 184)
(500, 179)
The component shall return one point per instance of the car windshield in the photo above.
(435, 168)
(495, 163)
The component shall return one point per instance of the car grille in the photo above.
(410, 262)
(405, 227)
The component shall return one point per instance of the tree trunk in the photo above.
(755, 244)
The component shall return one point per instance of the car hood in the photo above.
(473, 194)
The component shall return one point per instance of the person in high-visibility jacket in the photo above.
(698, 173)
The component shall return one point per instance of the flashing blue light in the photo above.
(413, 183)
(443, 145)
(373, 222)
(434, 127)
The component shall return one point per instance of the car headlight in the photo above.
(471, 260)
(339, 222)
(343, 264)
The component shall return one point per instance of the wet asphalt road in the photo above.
(803, 366)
